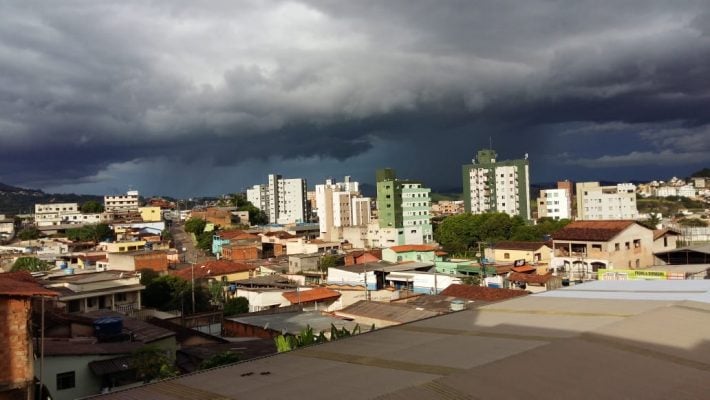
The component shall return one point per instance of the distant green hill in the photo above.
(16, 200)
(445, 196)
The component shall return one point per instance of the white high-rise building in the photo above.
(555, 204)
(595, 202)
(491, 185)
(283, 200)
(340, 205)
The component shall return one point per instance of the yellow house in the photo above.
(150, 214)
(507, 252)
(122, 247)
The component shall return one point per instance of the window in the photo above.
(120, 297)
(617, 247)
(665, 241)
(90, 302)
(66, 380)
(637, 243)
(628, 246)
(506, 256)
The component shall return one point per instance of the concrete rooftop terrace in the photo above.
(532, 347)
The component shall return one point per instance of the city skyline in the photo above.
(188, 99)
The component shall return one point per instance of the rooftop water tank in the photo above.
(108, 326)
(457, 305)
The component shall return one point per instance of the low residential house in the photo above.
(583, 247)
(314, 299)
(92, 353)
(665, 239)
(122, 246)
(219, 216)
(475, 293)
(7, 228)
(510, 251)
(411, 252)
(217, 271)
(90, 260)
(150, 213)
(156, 260)
(224, 238)
(371, 276)
(270, 325)
(363, 256)
(315, 246)
(308, 266)
(534, 282)
(369, 313)
(264, 298)
(17, 289)
(239, 252)
(91, 291)
(463, 268)
(421, 282)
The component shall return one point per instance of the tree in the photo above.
(91, 207)
(204, 241)
(170, 292)
(238, 305)
(151, 362)
(328, 261)
(225, 358)
(473, 280)
(195, 225)
(652, 222)
(30, 264)
(91, 233)
(148, 275)
(166, 235)
(29, 233)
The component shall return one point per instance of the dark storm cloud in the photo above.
(87, 87)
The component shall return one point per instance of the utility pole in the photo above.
(192, 268)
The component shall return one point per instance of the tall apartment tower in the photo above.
(490, 185)
(340, 205)
(283, 200)
(404, 210)
(595, 202)
(556, 203)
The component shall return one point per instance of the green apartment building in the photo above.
(404, 209)
(490, 185)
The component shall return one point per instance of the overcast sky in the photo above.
(201, 98)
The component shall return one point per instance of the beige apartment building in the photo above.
(583, 247)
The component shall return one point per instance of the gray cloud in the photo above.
(88, 87)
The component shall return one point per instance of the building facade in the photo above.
(555, 204)
(595, 202)
(490, 185)
(283, 200)
(404, 211)
(122, 202)
(340, 205)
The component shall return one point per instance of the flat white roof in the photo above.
(663, 290)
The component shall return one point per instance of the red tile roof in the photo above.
(524, 268)
(315, 294)
(22, 284)
(280, 235)
(480, 293)
(594, 231)
(412, 247)
(228, 235)
(530, 278)
(214, 268)
(518, 245)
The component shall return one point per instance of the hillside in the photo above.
(16, 200)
